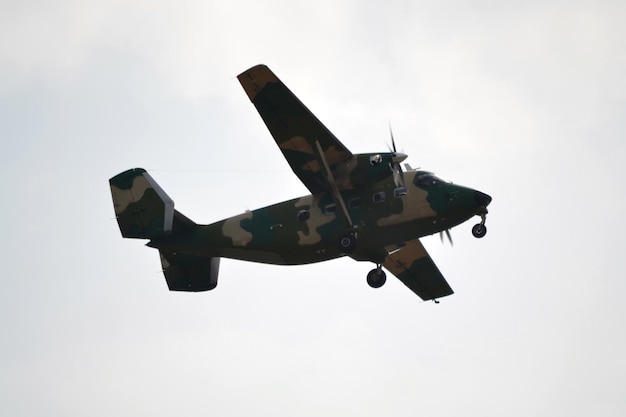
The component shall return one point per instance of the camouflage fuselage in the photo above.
(307, 229)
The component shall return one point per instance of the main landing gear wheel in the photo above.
(347, 243)
(376, 278)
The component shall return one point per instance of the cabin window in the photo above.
(303, 215)
(330, 209)
(354, 203)
(379, 197)
(375, 159)
(399, 192)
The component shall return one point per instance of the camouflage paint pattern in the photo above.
(277, 232)
(150, 218)
(413, 259)
(233, 229)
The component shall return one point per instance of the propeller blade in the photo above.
(396, 158)
(398, 176)
(448, 235)
(393, 142)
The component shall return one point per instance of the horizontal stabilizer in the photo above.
(189, 273)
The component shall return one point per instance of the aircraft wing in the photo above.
(300, 136)
(415, 268)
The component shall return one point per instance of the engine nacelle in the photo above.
(366, 168)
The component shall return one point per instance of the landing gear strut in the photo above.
(480, 230)
(376, 277)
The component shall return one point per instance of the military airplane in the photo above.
(365, 206)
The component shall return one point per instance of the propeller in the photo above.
(448, 235)
(396, 158)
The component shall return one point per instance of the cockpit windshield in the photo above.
(428, 179)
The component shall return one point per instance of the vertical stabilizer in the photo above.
(143, 210)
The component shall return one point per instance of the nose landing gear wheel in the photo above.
(376, 278)
(479, 230)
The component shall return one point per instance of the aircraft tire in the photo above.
(479, 230)
(376, 278)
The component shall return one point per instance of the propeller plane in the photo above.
(364, 206)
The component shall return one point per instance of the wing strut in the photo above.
(330, 180)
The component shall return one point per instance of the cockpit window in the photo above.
(376, 159)
(427, 180)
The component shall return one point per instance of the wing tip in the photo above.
(255, 78)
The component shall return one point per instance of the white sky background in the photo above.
(524, 101)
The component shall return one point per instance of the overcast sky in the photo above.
(522, 100)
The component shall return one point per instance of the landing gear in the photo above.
(480, 230)
(347, 242)
(376, 278)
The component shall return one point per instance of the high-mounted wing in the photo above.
(415, 268)
(299, 134)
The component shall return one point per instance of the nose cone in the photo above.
(481, 199)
